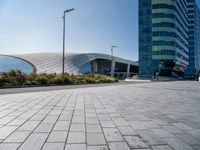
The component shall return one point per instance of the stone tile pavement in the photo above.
(149, 116)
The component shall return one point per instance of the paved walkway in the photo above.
(149, 116)
(60, 87)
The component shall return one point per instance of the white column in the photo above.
(94, 66)
(128, 70)
(113, 68)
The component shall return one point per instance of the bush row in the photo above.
(18, 78)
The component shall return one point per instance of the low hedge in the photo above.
(18, 78)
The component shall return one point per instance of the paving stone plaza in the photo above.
(147, 116)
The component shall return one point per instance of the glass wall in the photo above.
(7, 63)
(86, 68)
(145, 38)
(163, 36)
(193, 69)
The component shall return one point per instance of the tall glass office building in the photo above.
(165, 37)
(193, 68)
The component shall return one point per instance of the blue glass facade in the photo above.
(193, 68)
(86, 68)
(145, 36)
(164, 37)
(8, 63)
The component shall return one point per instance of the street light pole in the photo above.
(112, 63)
(63, 55)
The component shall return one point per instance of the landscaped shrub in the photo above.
(18, 78)
(90, 79)
(14, 78)
(106, 79)
(30, 78)
(67, 79)
(96, 78)
(35, 83)
(28, 83)
(57, 80)
(42, 79)
(2, 80)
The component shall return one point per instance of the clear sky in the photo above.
(28, 26)
(36, 26)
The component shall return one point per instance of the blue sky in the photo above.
(36, 26)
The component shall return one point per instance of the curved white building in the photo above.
(74, 63)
